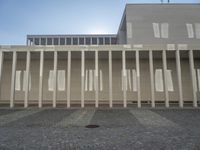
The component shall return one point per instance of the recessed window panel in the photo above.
(113, 41)
(43, 41)
(36, 41)
(107, 41)
(62, 41)
(68, 41)
(55, 41)
(100, 41)
(94, 41)
(88, 41)
(75, 41)
(81, 41)
(49, 41)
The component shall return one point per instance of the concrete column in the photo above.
(165, 78)
(152, 78)
(82, 77)
(124, 78)
(41, 79)
(96, 80)
(28, 55)
(193, 77)
(68, 78)
(1, 68)
(12, 91)
(138, 77)
(178, 67)
(55, 78)
(110, 80)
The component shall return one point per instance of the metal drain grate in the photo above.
(92, 126)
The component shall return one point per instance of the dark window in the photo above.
(49, 41)
(55, 41)
(100, 41)
(113, 41)
(107, 41)
(37, 41)
(75, 41)
(94, 41)
(81, 41)
(62, 41)
(43, 41)
(68, 41)
(88, 41)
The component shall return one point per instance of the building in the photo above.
(153, 60)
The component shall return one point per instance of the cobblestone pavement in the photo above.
(156, 129)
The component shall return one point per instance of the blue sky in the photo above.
(21, 17)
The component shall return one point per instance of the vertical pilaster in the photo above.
(68, 78)
(124, 78)
(55, 78)
(152, 78)
(12, 91)
(82, 77)
(178, 68)
(138, 77)
(193, 77)
(41, 79)
(165, 78)
(96, 80)
(110, 80)
(27, 78)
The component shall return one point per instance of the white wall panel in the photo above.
(101, 80)
(190, 30)
(86, 80)
(171, 47)
(50, 80)
(134, 79)
(182, 46)
(91, 84)
(165, 30)
(156, 30)
(18, 80)
(159, 80)
(61, 80)
(197, 30)
(25, 80)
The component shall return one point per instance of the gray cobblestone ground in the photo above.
(119, 129)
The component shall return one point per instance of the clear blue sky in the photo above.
(21, 17)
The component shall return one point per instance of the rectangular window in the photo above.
(81, 41)
(68, 41)
(55, 42)
(62, 41)
(107, 41)
(94, 41)
(43, 41)
(49, 41)
(113, 41)
(37, 41)
(75, 41)
(100, 41)
(88, 41)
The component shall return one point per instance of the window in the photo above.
(75, 41)
(43, 41)
(49, 41)
(81, 41)
(55, 41)
(107, 41)
(68, 41)
(62, 41)
(37, 41)
(113, 41)
(100, 41)
(88, 41)
(94, 41)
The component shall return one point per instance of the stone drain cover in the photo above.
(92, 126)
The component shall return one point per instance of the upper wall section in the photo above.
(71, 39)
(170, 24)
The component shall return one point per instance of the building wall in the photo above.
(103, 66)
